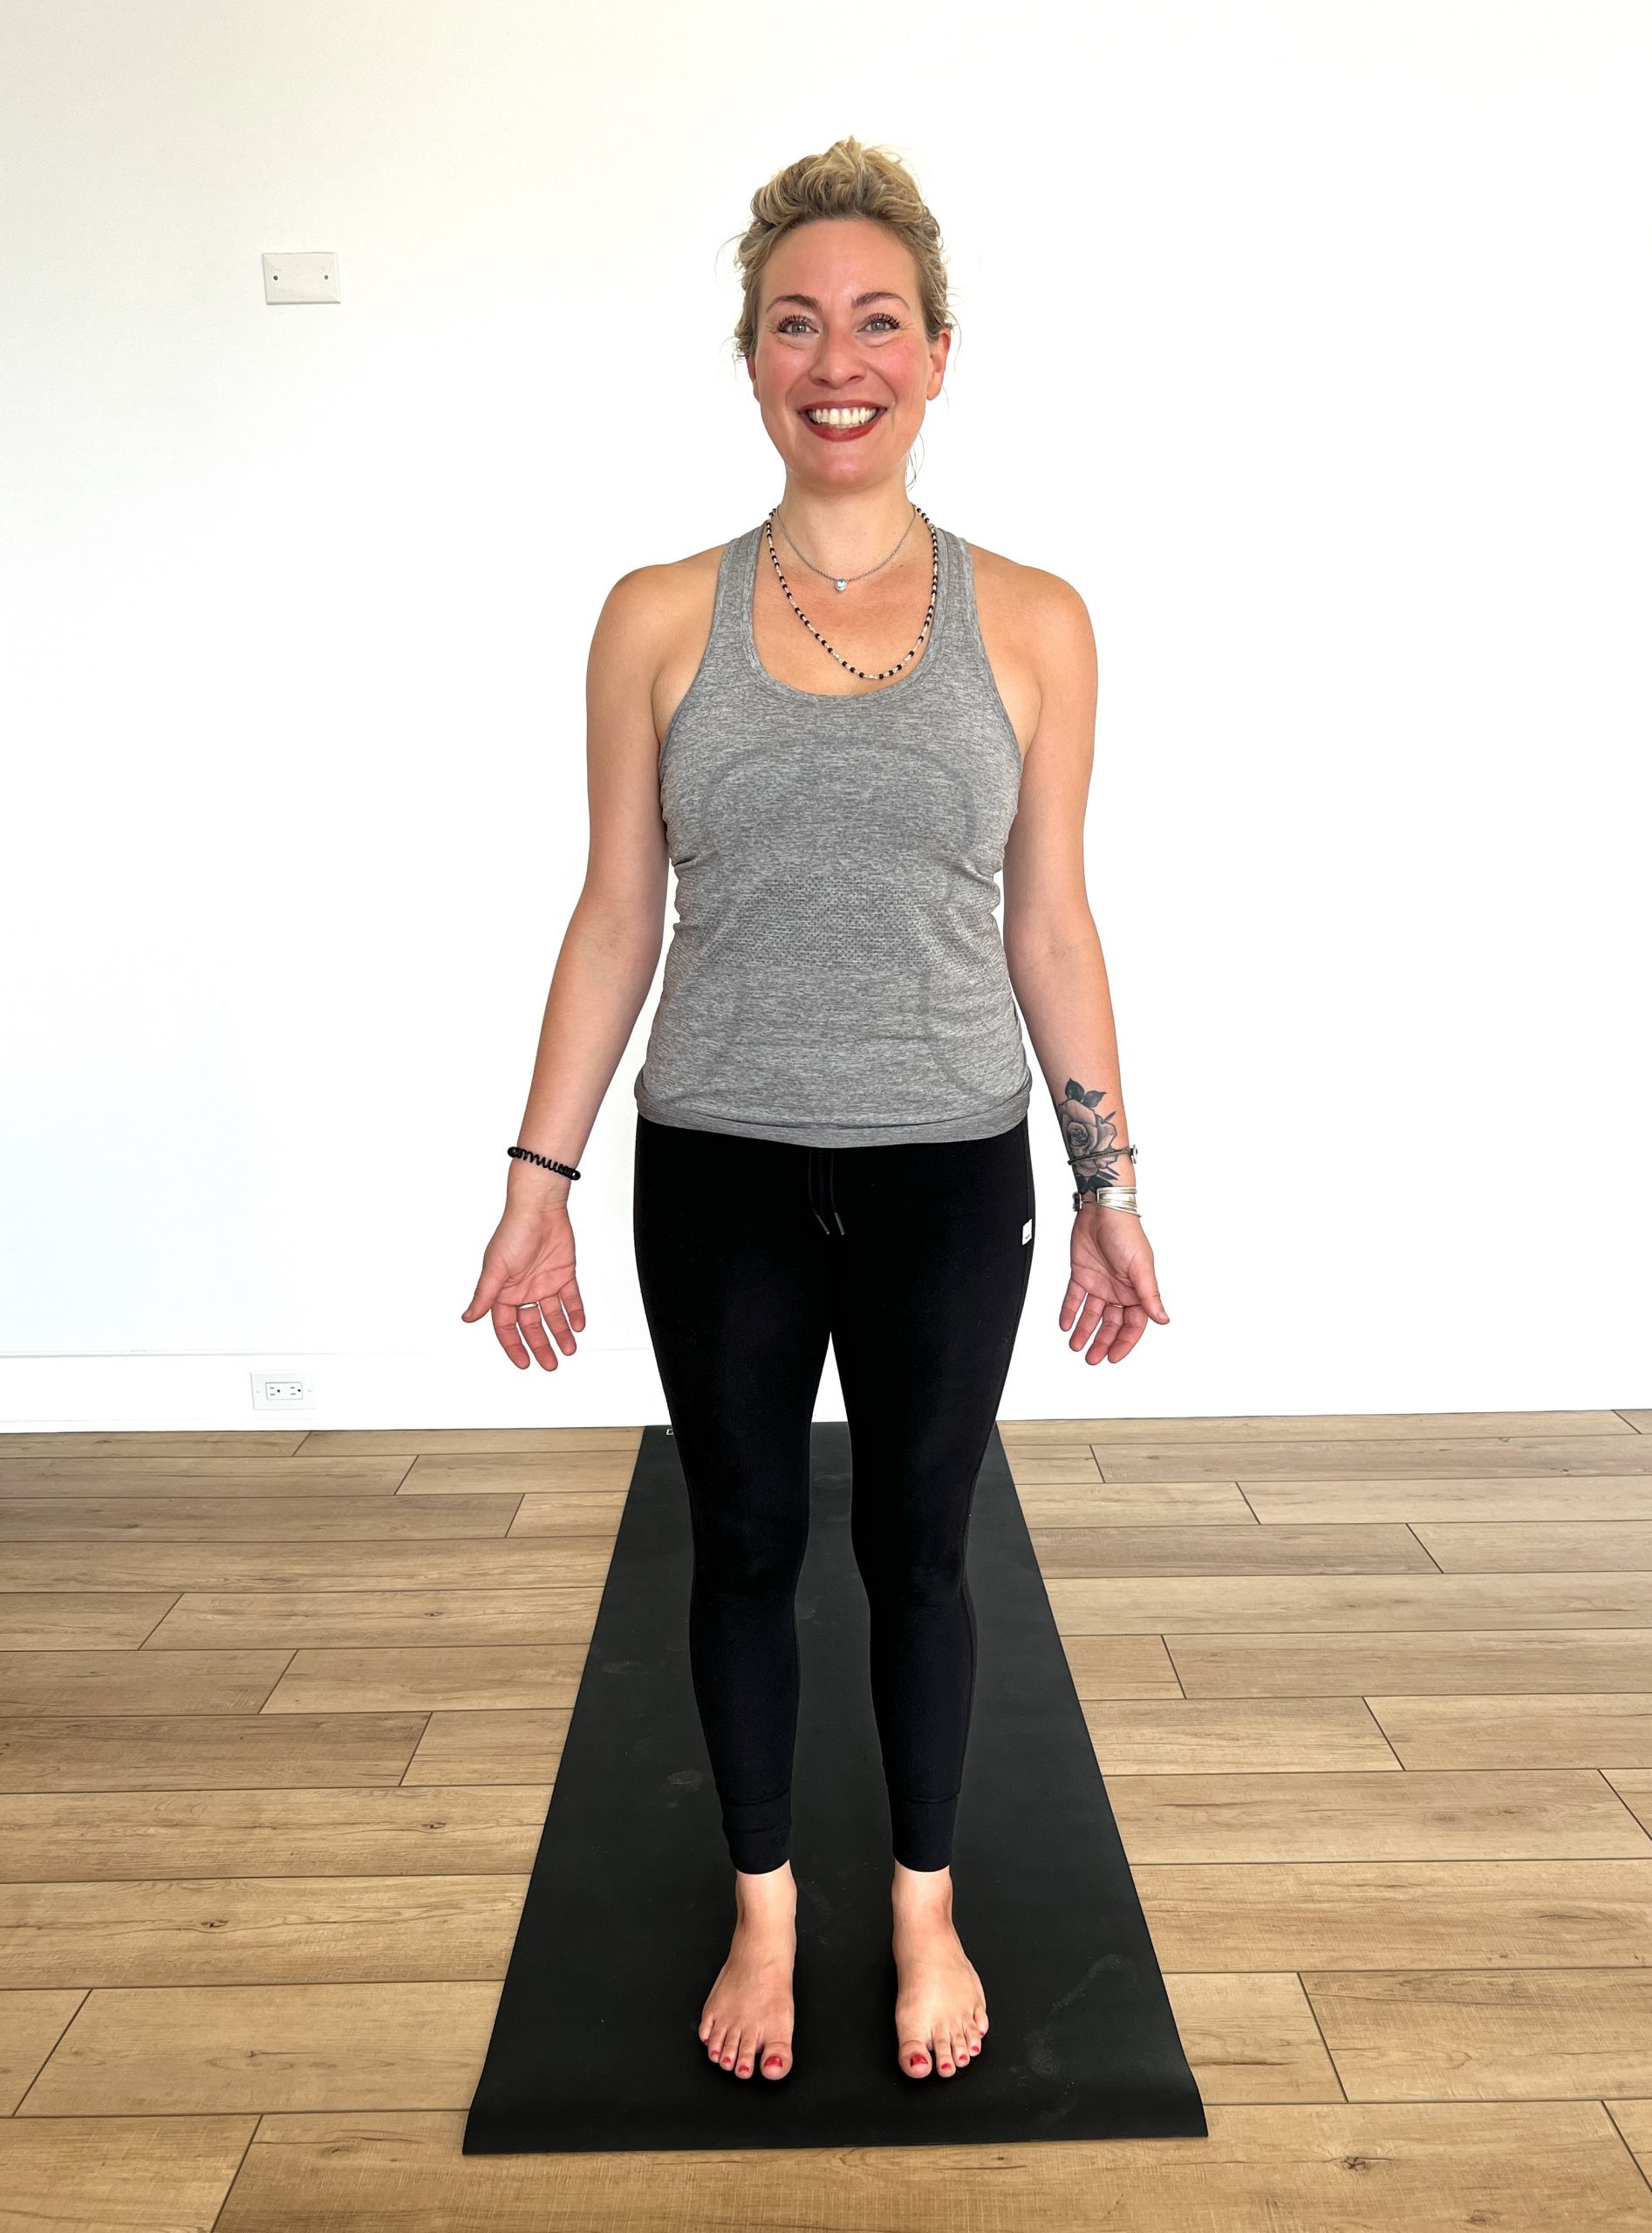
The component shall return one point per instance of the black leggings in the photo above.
(914, 1259)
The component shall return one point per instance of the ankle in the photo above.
(921, 1890)
(772, 1892)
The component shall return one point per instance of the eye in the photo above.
(888, 316)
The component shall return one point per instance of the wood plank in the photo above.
(1485, 1814)
(149, 1442)
(1350, 1426)
(1431, 1661)
(1589, 1730)
(1634, 1787)
(1440, 2035)
(1634, 2120)
(1487, 1499)
(1251, 2038)
(521, 1442)
(489, 1748)
(1433, 2168)
(177, 1473)
(38, 1620)
(1638, 1422)
(248, 1518)
(262, 1931)
(1233, 1603)
(1153, 1737)
(1122, 1667)
(31, 2025)
(378, 1830)
(1049, 1499)
(1450, 1915)
(178, 2050)
(423, 1561)
(140, 2174)
(420, 1679)
(1556, 1547)
(291, 1618)
(1436, 1457)
(186, 2049)
(194, 1752)
(38, 1683)
(547, 1474)
(1082, 1553)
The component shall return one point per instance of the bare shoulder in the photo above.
(653, 629)
(654, 599)
(1037, 637)
(1031, 601)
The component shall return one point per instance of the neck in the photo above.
(847, 530)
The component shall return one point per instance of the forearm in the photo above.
(597, 987)
(1064, 997)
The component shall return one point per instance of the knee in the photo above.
(917, 1577)
(748, 1561)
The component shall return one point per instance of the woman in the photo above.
(831, 1133)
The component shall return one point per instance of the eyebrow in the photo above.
(875, 294)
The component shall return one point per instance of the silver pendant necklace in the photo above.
(841, 581)
(934, 591)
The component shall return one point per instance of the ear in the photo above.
(939, 349)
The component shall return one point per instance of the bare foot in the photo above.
(748, 2010)
(940, 2009)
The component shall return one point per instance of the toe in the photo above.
(914, 2058)
(745, 2054)
(777, 2059)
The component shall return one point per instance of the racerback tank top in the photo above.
(835, 976)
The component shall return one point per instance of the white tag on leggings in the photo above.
(1027, 1230)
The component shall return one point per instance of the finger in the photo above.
(1147, 1292)
(1131, 1326)
(531, 1325)
(510, 1334)
(1089, 1318)
(574, 1306)
(486, 1288)
(1106, 1334)
(554, 1316)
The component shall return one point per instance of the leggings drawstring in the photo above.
(820, 1167)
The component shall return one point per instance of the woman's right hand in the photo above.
(530, 1262)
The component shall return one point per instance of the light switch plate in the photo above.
(305, 276)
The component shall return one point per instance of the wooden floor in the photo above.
(1373, 1697)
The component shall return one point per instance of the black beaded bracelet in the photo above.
(550, 1163)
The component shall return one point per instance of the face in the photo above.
(840, 327)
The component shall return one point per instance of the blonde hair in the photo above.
(848, 181)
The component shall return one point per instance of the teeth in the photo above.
(836, 418)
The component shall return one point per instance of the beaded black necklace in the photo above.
(934, 590)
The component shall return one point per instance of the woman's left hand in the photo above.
(1112, 1292)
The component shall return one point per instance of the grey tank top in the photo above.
(835, 976)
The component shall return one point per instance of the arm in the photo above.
(606, 963)
(1059, 980)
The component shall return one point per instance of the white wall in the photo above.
(1310, 340)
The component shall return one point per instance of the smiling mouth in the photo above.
(842, 420)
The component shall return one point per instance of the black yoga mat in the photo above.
(631, 1903)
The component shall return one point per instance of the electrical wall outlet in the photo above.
(302, 275)
(282, 1391)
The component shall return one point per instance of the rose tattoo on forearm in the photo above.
(1091, 1138)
